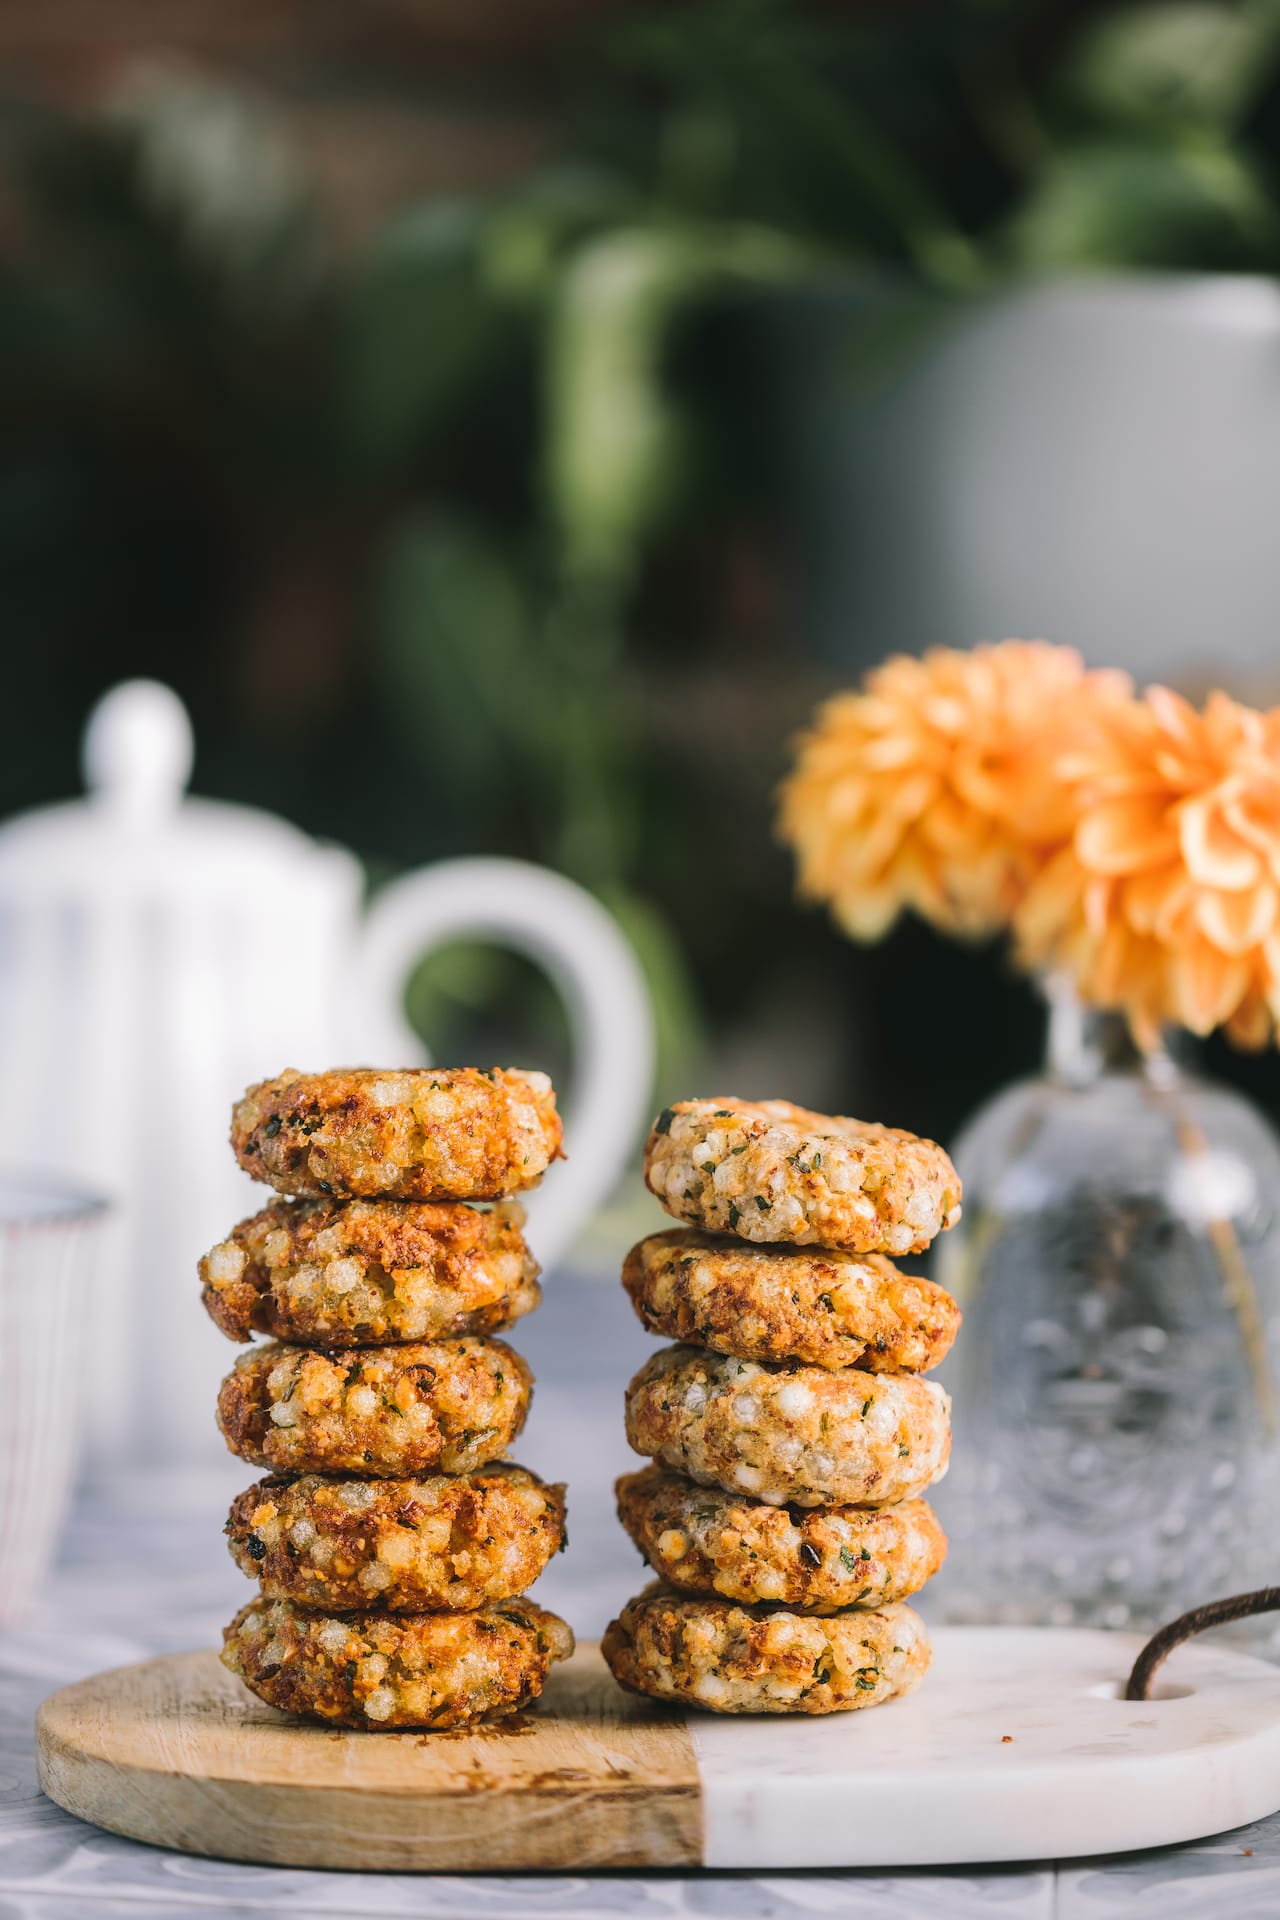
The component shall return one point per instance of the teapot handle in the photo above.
(584, 952)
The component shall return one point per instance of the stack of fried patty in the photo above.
(390, 1541)
(791, 1431)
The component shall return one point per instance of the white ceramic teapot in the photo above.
(158, 953)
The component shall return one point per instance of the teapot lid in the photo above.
(138, 831)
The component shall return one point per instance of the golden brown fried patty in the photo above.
(790, 1435)
(769, 1171)
(789, 1303)
(713, 1653)
(406, 1546)
(819, 1559)
(466, 1133)
(389, 1670)
(329, 1273)
(432, 1406)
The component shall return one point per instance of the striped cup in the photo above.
(50, 1235)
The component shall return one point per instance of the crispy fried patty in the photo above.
(789, 1303)
(392, 1670)
(768, 1171)
(713, 1653)
(406, 1546)
(790, 1435)
(432, 1406)
(819, 1559)
(328, 1273)
(466, 1133)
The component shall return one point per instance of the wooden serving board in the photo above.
(1016, 1747)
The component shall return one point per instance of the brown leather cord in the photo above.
(1215, 1613)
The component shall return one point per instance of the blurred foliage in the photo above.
(424, 528)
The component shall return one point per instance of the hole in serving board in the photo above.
(1163, 1690)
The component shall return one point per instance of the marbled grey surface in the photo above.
(145, 1571)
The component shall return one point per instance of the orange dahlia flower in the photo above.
(1166, 902)
(933, 788)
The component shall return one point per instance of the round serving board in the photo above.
(1016, 1747)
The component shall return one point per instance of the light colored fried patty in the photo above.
(787, 1434)
(819, 1559)
(408, 1546)
(394, 1670)
(465, 1133)
(789, 1303)
(713, 1653)
(431, 1406)
(332, 1273)
(768, 1171)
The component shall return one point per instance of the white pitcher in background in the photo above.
(158, 953)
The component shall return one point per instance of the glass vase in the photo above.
(1118, 1262)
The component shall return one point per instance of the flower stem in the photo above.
(1237, 1286)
